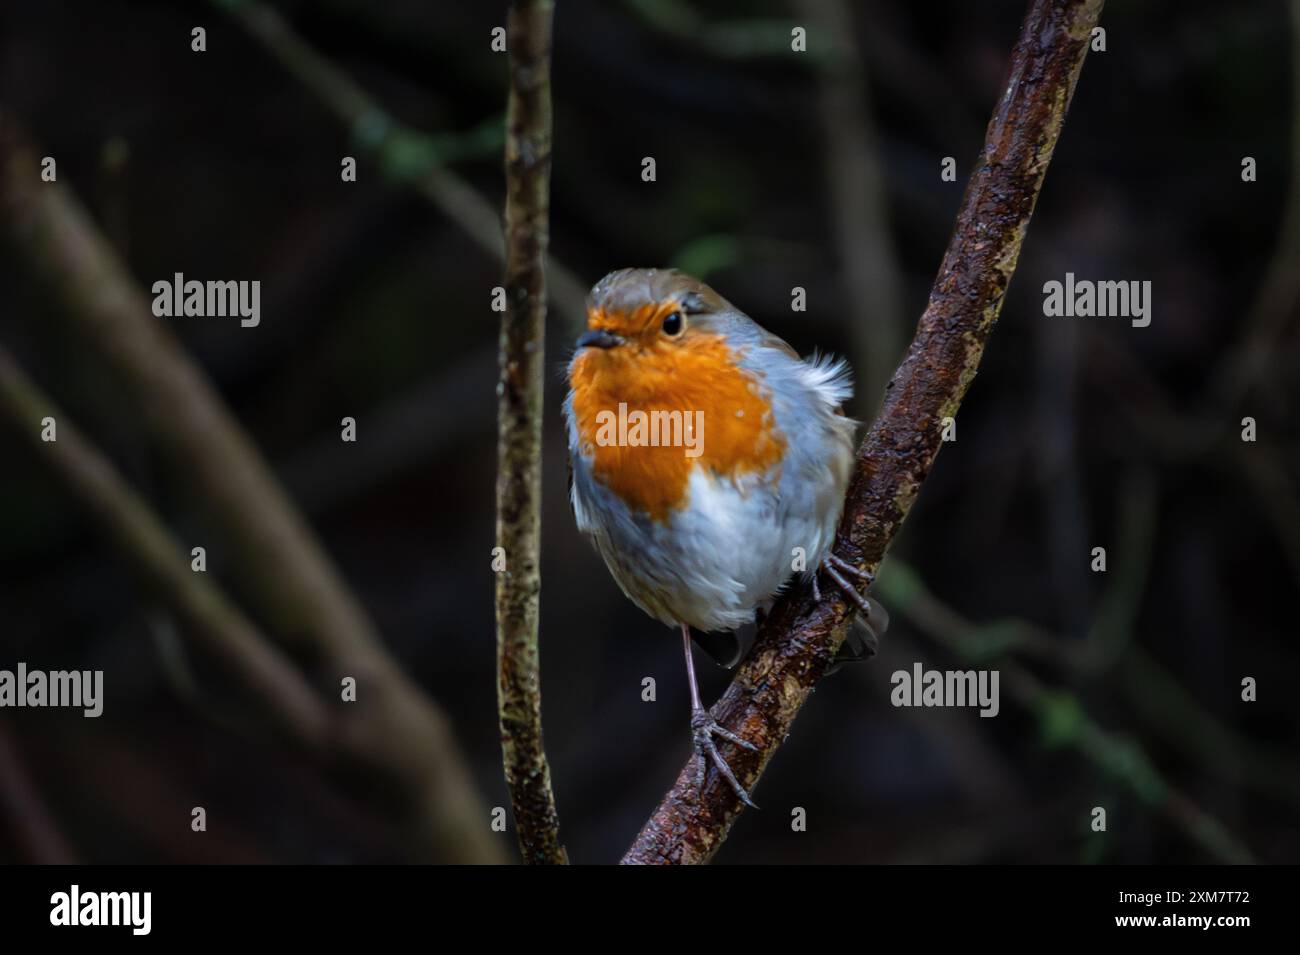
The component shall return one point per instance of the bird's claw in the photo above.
(703, 728)
(866, 576)
(836, 568)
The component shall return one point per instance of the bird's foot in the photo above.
(703, 728)
(866, 576)
(863, 640)
(836, 568)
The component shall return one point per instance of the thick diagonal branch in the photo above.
(801, 636)
(519, 431)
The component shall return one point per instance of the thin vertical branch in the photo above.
(799, 638)
(519, 447)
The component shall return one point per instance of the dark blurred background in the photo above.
(774, 170)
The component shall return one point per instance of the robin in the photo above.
(708, 463)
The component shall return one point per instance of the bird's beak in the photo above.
(599, 338)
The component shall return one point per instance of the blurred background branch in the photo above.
(858, 208)
(1273, 305)
(1062, 718)
(407, 156)
(207, 613)
(32, 823)
(392, 729)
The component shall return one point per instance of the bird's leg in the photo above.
(704, 728)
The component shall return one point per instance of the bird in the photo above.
(708, 463)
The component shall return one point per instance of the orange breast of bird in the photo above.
(737, 435)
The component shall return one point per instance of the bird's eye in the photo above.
(674, 324)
